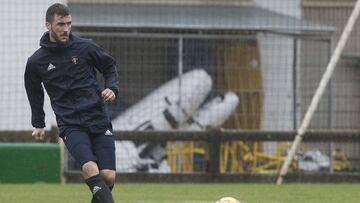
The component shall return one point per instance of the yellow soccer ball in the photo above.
(228, 200)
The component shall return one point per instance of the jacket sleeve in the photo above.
(106, 65)
(35, 94)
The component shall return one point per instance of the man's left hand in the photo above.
(108, 95)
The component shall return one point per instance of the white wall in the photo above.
(22, 24)
(277, 64)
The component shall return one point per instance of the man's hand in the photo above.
(38, 133)
(108, 95)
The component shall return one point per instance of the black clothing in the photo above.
(101, 192)
(68, 74)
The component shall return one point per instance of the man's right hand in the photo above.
(38, 133)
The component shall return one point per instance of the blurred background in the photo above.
(209, 89)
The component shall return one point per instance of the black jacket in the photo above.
(67, 71)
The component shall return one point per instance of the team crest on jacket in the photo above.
(74, 60)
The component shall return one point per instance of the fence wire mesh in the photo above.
(195, 65)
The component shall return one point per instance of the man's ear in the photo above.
(48, 25)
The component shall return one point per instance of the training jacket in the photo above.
(67, 71)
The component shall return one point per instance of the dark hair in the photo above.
(58, 9)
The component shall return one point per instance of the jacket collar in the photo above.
(46, 43)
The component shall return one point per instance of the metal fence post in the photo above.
(214, 143)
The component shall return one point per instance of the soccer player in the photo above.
(65, 65)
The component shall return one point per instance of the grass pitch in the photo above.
(184, 193)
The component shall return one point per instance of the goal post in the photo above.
(320, 90)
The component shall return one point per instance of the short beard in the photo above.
(55, 37)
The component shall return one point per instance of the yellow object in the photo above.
(180, 156)
(340, 161)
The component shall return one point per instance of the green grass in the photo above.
(184, 193)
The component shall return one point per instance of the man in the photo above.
(65, 65)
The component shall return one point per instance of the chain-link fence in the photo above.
(203, 65)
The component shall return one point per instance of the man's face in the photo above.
(59, 28)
